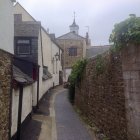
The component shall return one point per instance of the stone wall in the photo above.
(5, 94)
(131, 75)
(65, 45)
(100, 96)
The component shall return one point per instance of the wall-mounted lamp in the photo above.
(57, 56)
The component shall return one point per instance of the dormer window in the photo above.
(23, 46)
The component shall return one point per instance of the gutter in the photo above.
(37, 106)
(41, 46)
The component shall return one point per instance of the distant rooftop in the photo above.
(20, 76)
(95, 50)
(71, 35)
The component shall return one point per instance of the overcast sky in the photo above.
(99, 15)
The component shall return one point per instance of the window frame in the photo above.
(22, 44)
(72, 51)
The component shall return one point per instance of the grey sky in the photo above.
(99, 15)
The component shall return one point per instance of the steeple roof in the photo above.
(71, 36)
(74, 27)
(74, 24)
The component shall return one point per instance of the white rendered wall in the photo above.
(47, 50)
(67, 72)
(6, 26)
(26, 106)
(46, 85)
(18, 9)
(57, 64)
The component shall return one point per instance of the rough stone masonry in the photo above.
(100, 96)
(5, 94)
(111, 100)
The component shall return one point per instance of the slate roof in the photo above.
(29, 29)
(46, 76)
(71, 35)
(95, 50)
(21, 77)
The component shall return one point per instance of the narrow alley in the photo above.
(69, 127)
(55, 119)
(67, 73)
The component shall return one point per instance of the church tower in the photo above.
(74, 27)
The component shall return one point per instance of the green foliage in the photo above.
(100, 65)
(126, 32)
(77, 71)
(75, 77)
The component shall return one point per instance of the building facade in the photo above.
(74, 48)
(34, 54)
(6, 58)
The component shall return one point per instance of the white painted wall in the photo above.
(67, 72)
(26, 107)
(18, 9)
(15, 101)
(57, 64)
(48, 49)
(46, 85)
(6, 26)
(44, 52)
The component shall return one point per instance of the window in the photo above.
(23, 46)
(72, 51)
(23, 49)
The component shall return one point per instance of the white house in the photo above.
(48, 63)
(47, 43)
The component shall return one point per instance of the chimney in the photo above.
(88, 43)
(52, 36)
(17, 18)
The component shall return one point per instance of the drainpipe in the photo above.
(37, 106)
(41, 46)
(19, 111)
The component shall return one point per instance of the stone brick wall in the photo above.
(131, 75)
(5, 95)
(101, 97)
(66, 44)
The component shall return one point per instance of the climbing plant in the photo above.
(77, 71)
(100, 65)
(75, 77)
(126, 32)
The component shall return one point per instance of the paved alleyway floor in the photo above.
(55, 120)
(69, 126)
